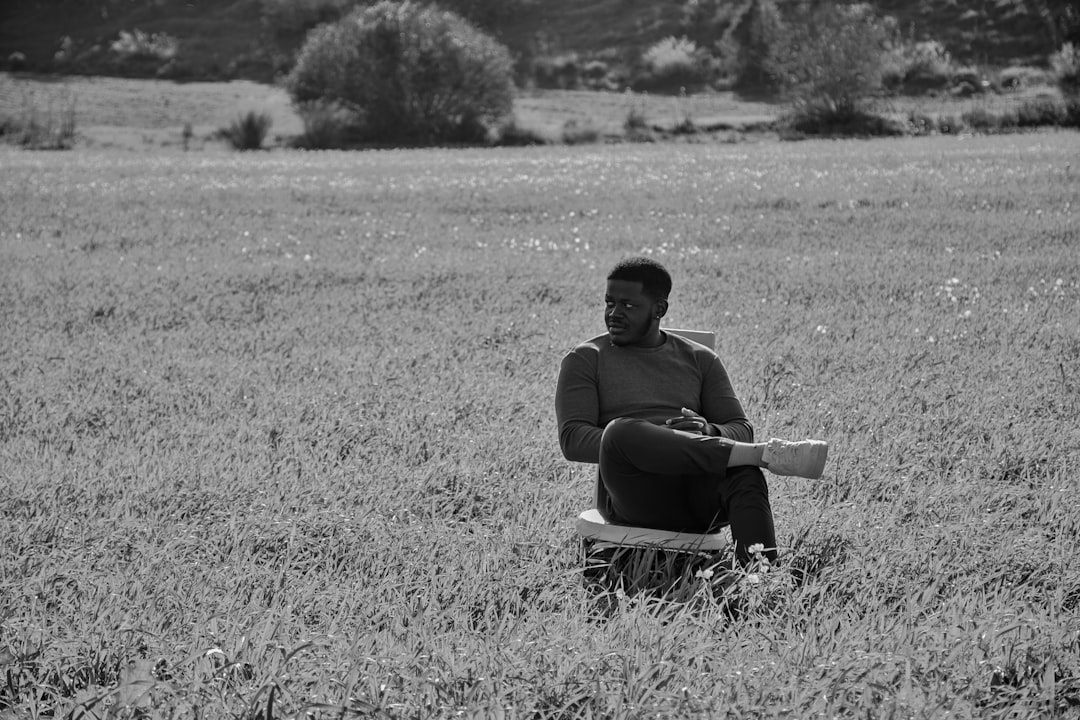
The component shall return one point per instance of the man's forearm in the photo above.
(737, 430)
(580, 442)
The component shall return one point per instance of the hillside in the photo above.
(221, 39)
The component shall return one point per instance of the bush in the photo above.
(407, 72)
(326, 126)
(1041, 111)
(16, 61)
(949, 125)
(1072, 112)
(920, 67)
(513, 135)
(857, 124)
(966, 82)
(1036, 113)
(920, 123)
(1066, 66)
(557, 72)
(137, 43)
(831, 60)
(575, 133)
(673, 64)
(248, 131)
(981, 120)
(595, 75)
(1022, 76)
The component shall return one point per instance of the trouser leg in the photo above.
(745, 496)
(673, 480)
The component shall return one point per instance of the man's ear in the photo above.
(660, 308)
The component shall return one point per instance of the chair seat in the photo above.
(592, 526)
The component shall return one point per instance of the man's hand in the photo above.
(689, 421)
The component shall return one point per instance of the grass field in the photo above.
(118, 113)
(151, 115)
(277, 435)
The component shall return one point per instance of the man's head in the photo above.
(636, 299)
(654, 278)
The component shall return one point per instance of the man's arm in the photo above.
(721, 407)
(577, 410)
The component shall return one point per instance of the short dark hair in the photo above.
(654, 278)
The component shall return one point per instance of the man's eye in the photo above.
(628, 305)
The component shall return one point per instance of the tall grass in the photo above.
(36, 117)
(248, 131)
(276, 431)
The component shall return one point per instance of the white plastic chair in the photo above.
(592, 526)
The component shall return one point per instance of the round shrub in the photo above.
(406, 73)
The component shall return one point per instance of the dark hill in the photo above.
(235, 38)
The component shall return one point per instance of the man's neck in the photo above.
(654, 339)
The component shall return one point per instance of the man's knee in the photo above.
(620, 431)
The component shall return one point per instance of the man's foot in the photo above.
(803, 458)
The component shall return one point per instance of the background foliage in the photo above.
(259, 38)
(407, 72)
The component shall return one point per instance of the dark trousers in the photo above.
(653, 476)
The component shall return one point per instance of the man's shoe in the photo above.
(802, 458)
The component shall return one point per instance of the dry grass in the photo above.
(276, 431)
(140, 115)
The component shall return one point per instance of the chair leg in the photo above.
(672, 574)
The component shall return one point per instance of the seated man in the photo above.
(659, 415)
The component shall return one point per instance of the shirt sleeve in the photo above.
(577, 409)
(721, 407)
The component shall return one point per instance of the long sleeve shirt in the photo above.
(599, 381)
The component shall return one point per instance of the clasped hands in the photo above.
(689, 421)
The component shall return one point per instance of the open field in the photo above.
(140, 115)
(276, 429)
(117, 113)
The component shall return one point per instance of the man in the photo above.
(658, 413)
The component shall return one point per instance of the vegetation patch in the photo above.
(407, 73)
(277, 438)
(248, 131)
(37, 117)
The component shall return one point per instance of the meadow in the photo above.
(277, 434)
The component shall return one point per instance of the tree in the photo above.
(757, 36)
(406, 72)
(1062, 18)
(831, 59)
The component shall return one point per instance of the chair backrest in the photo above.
(706, 338)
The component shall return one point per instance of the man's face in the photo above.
(630, 314)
